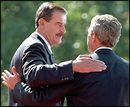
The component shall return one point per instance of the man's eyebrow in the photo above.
(59, 23)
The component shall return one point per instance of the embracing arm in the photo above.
(38, 72)
(40, 96)
(43, 96)
(26, 95)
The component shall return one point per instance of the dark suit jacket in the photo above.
(107, 88)
(36, 67)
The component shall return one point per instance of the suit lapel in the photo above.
(51, 55)
(52, 58)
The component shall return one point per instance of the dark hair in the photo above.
(46, 10)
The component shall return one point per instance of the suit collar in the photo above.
(37, 36)
(102, 48)
(34, 35)
(48, 45)
(103, 51)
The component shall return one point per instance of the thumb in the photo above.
(14, 70)
(85, 55)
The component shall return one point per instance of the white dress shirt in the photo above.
(95, 56)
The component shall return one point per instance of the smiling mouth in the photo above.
(59, 35)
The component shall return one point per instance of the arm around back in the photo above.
(37, 70)
(43, 96)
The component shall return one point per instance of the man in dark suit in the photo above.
(107, 88)
(34, 58)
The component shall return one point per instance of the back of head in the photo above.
(107, 28)
(46, 10)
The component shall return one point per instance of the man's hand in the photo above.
(84, 64)
(10, 80)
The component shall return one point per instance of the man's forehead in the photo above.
(64, 17)
(59, 18)
(58, 13)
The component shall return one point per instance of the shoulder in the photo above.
(31, 44)
(122, 61)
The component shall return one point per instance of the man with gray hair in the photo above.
(107, 88)
(107, 28)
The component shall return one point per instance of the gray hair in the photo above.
(46, 10)
(108, 29)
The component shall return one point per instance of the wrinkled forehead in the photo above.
(59, 16)
(64, 17)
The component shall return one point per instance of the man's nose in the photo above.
(63, 30)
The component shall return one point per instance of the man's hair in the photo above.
(46, 10)
(107, 28)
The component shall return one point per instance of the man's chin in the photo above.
(59, 40)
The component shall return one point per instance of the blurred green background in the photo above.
(17, 23)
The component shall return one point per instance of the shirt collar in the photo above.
(103, 47)
(48, 45)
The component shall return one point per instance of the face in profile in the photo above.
(55, 28)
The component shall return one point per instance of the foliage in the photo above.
(17, 18)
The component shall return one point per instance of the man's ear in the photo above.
(95, 37)
(41, 22)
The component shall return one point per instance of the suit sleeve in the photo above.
(38, 73)
(43, 96)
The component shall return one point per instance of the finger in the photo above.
(90, 71)
(97, 63)
(85, 55)
(5, 83)
(14, 70)
(100, 66)
(94, 71)
(4, 75)
(93, 62)
(7, 72)
(97, 68)
(83, 58)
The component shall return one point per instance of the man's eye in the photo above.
(60, 24)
